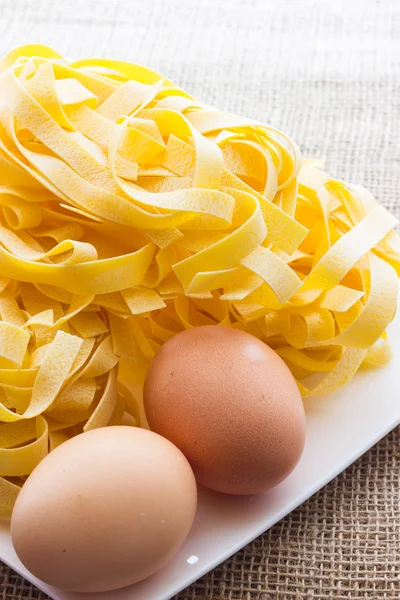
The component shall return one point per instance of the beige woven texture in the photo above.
(328, 73)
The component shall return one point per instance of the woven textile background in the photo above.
(328, 73)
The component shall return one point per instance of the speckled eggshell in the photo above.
(230, 404)
(104, 510)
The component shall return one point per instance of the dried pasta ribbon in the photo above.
(130, 212)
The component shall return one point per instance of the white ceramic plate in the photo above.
(339, 429)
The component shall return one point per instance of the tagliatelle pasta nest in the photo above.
(129, 212)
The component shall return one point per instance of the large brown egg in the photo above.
(104, 510)
(230, 404)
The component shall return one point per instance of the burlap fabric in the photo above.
(328, 73)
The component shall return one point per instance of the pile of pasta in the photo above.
(130, 212)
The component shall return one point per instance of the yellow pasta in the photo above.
(130, 212)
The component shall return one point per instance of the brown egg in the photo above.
(104, 510)
(230, 404)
